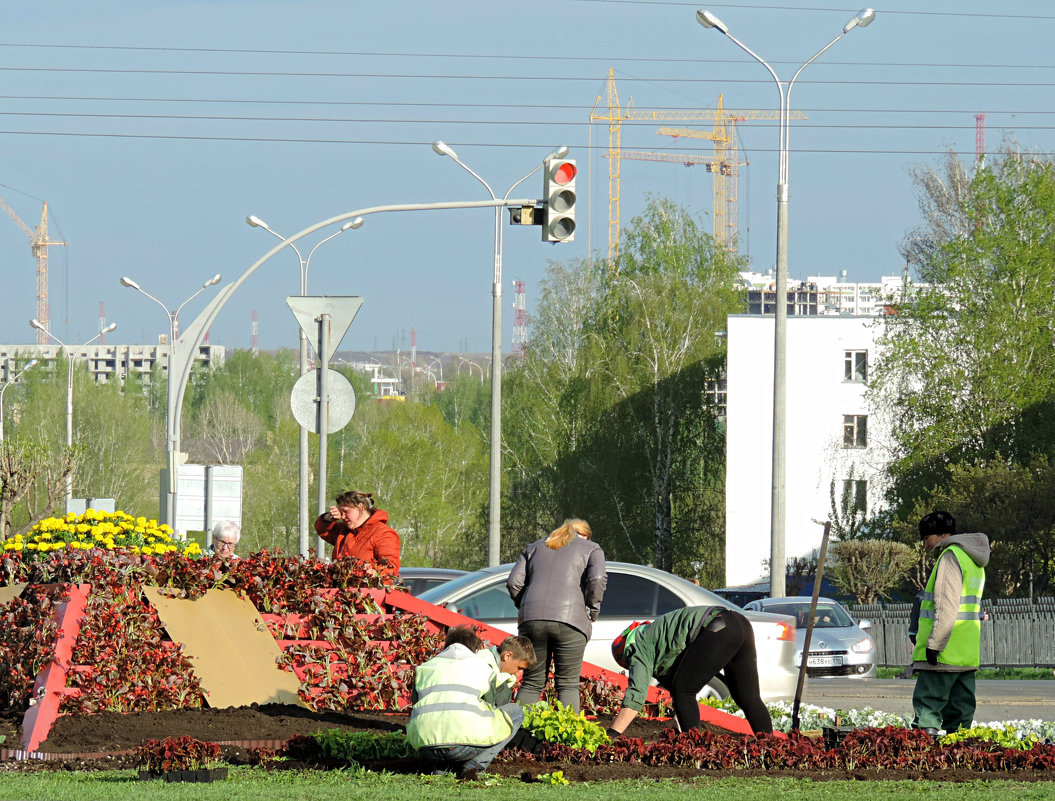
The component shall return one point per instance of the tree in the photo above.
(612, 421)
(986, 261)
(866, 569)
(30, 472)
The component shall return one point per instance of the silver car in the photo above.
(635, 592)
(419, 579)
(838, 646)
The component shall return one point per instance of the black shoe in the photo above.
(931, 731)
(468, 774)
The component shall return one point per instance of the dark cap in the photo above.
(936, 523)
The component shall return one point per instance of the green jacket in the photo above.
(449, 700)
(652, 649)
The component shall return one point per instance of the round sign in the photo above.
(340, 405)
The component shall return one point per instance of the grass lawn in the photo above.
(255, 784)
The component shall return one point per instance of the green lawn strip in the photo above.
(252, 784)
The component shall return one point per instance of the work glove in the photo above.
(613, 735)
(932, 656)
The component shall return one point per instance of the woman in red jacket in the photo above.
(354, 527)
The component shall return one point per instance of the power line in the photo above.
(422, 143)
(501, 56)
(466, 77)
(803, 125)
(446, 105)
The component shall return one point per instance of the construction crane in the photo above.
(39, 244)
(725, 182)
(722, 121)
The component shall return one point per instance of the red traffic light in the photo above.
(565, 173)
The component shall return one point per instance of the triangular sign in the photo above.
(309, 308)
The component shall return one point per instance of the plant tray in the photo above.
(833, 735)
(203, 775)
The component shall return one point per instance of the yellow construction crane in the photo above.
(722, 135)
(39, 244)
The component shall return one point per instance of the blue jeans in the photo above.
(478, 757)
(565, 645)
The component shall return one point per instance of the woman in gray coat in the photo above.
(557, 584)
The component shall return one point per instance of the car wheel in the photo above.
(715, 688)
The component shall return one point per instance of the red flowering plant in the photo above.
(176, 753)
(354, 657)
(27, 644)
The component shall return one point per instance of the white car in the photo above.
(634, 592)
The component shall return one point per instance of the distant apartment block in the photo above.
(824, 295)
(105, 362)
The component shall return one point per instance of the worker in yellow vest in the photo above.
(948, 643)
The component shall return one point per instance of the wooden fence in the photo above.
(1017, 632)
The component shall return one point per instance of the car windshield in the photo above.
(829, 616)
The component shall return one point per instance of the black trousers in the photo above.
(727, 644)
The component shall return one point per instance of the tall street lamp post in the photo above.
(305, 263)
(777, 555)
(172, 428)
(69, 392)
(3, 389)
(495, 472)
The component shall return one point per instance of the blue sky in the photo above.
(153, 129)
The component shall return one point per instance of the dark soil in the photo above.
(105, 741)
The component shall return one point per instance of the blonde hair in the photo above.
(566, 533)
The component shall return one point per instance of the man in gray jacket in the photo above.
(557, 585)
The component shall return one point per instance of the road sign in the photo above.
(341, 309)
(340, 401)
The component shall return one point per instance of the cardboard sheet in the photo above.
(10, 592)
(233, 654)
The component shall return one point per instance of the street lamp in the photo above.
(172, 426)
(303, 521)
(495, 490)
(777, 556)
(69, 393)
(3, 389)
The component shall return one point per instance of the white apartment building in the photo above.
(831, 432)
(104, 362)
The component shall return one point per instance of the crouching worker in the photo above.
(683, 650)
(455, 721)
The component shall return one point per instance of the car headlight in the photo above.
(862, 646)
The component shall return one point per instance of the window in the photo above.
(714, 390)
(489, 603)
(855, 365)
(855, 492)
(636, 597)
(855, 430)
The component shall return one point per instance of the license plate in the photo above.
(824, 661)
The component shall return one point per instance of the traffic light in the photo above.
(558, 195)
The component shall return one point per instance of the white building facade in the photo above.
(832, 434)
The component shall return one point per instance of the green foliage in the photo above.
(557, 723)
(363, 746)
(1006, 737)
(866, 569)
(607, 417)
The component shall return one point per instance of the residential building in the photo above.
(105, 362)
(832, 433)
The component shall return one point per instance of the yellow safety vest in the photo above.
(450, 709)
(965, 643)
